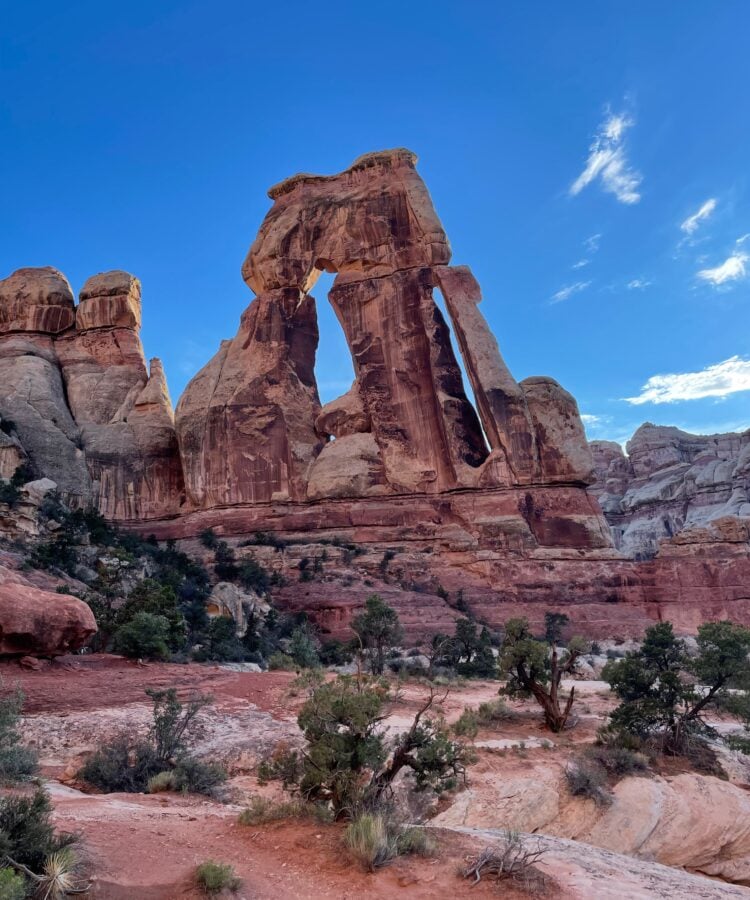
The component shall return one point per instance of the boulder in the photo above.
(350, 466)
(36, 622)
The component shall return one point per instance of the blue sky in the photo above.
(588, 160)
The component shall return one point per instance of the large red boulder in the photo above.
(37, 622)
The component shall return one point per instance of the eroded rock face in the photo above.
(246, 422)
(85, 410)
(36, 300)
(376, 217)
(38, 622)
(672, 485)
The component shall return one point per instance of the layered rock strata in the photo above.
(495, 497)
(674, 487)
(79, 401)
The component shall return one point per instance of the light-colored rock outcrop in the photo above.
(671, 483)
(648, 818)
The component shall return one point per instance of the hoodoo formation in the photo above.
(493, 500)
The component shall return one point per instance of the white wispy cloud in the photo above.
(592, 243)
(565, 293)
(608, 162)
(692, 223)
(580, 264)
(590, 419)
(732, 269)
(638, 284)
(719, 380)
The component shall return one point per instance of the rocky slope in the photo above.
(671, 483)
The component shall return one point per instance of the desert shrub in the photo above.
(302, 649)
(536, 669)
(375, 838)
(208, 538)
(284, 765)
(279, 661)
(220, 642)
(27, 835)
(164, 781)
(213, 878)
(554, 623)
(192, 775)
(157, 599)
(586, 778)
(739, 742)
(494, 711)
(121, 765)
(16, 760)
(378, 628)
(10, 491)
(416, 841)
(252, 576)
(59, 553)
(262, 811)
(371, 841)
(336, 653)
(125, 764)
(143, 637)
(656, 685)
(351, 763)
(514, 859)
(467, 724)
(12, 885)
(617, 761)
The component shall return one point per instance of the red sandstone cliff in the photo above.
(494, 498)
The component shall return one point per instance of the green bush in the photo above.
(220, 642)
(336, 653)
(10, 491)
(379, 629)
(279, 661)
(371, 841)
(157, 599)
(12, 885)
(262, 811)
(416, 841)
(143, 637)
(586, 778)
(208, 538)
(252, 576)
(130, 765)
(467, 724)
(213, 878)
(657, 686)
(302, 649)
(617, 761)
(16, 760)
(164, 781)
(27, 835)
(494, 711)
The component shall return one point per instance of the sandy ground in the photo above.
(147, 846)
